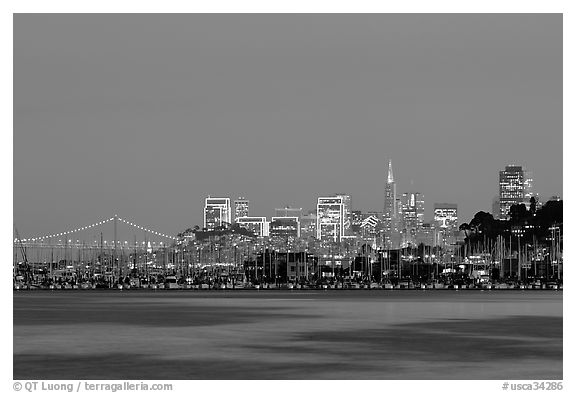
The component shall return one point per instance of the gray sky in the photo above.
(145, 115)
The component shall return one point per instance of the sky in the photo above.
(144, 116)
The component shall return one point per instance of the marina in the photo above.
(231, 259)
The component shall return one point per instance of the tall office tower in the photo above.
(412, 211)
(216, 212)
(394, 237)
(347, 213)
(330, 218)
(256, 225)
(511, 188)
(288, 212)
(446, 217)
(241, 208)
(390, 205)
(528, 187)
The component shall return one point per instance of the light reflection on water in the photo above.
(288, 335)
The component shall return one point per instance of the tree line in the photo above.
(533, 223)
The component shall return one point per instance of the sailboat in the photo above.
(22, 276)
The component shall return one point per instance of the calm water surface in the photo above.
(189, 335)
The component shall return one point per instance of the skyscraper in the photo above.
(330, 218)
(347, 200)
(511, 188)
(412, 213)
(446, 217)
(241, 208)
(390, 206)
(528, 187)
(216, 212)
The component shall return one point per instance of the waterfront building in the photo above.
(284, 227)
(511, 188)
(241, 208)
(330, 218)
(256, 225)
(217, 212)
(282, 265)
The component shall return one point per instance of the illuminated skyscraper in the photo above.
(347, 200)
(412, 213)
(512, 187)
(216, 212)
(528, 189)
(241, 208)
(390, 206)
(446, 217)
(330, 218)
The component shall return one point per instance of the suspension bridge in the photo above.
(64, 250)
(116, 219)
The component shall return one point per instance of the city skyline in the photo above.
(148, 116)
(412, 204)
(226, 213)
